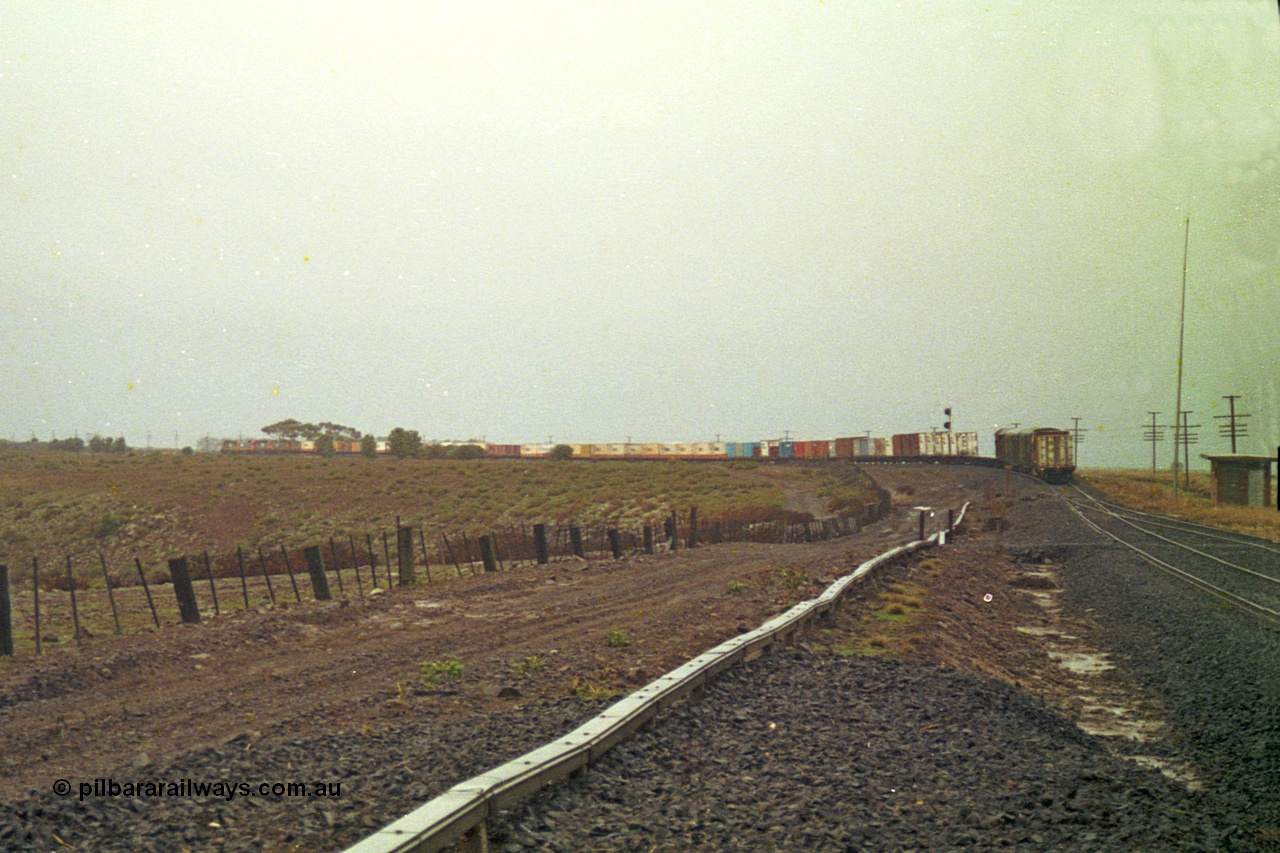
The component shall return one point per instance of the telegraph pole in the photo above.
(1077, 438)
(1231, 428)
(1186, 438)
(1153, 434)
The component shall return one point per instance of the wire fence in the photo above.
(60, 601)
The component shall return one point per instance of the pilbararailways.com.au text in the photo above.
(227, 790)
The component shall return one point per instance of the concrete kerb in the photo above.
(449, 817)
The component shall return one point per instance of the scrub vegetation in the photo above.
(1153, 492)
(155, 506)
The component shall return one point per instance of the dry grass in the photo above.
(1150, 492)
(155, 506)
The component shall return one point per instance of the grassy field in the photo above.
(1154, 493)
(154, 506)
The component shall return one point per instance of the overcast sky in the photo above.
(662, 221)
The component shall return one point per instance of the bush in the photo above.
(617, 639)
(434, 670)
(467, 451)
(109, 524)
(561, 451)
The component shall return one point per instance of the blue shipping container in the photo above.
(786, 450)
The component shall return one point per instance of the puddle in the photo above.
(1174, 771)
(1045, 632)
(1082, 663)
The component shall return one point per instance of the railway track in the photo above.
(1238, 569)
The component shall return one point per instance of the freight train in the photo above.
(1044, 452)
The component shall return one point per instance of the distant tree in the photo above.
(75, 445)
(467, 451)
(291, 428)
(119, 446)
(187, 451)
(404, 443)
(561, 451)
(208, 444)
(434, 450)
(324, 445)
(98, 444)
(369, 446)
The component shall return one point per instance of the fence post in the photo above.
(111, 596)
(355, 564)
(213, 590)
(648, 538)
(150, 602)
(575, 541)
(615, 543)
(6, 619)
(288, 564)
(182, 588)
(337, 567)
(266, 576)
(404, 555)
(244, 584)
(426, 564)
(35, 591)
(486, 554)
(540, 543)
(75, 611)
(315, 567)
(693, 526)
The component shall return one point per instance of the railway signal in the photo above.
(947, 423)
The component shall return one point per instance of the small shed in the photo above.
(1240, 479)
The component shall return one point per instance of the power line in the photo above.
(1153, 433)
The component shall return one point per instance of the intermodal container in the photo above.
(786, 450)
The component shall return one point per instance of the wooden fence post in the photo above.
(540, 543)
(648, 538)
(6, 619)
(693, 526)
(486, 554)
(315, 567)
(404, 555)
(575, 541)
(182, 588)
(615, 543)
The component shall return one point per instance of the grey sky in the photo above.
(664, 221)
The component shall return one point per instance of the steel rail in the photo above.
(1176, 544)
(1243, 603)
(1240, 538)
(449, 817)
